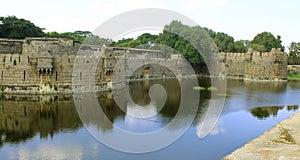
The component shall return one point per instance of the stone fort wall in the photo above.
(30, 63)
(27, 64)
(253, 65)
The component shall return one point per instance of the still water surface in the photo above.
(49, 127)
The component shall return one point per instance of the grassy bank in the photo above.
(294, 77)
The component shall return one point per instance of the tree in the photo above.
(127, 43)
(294, 49)
(12, 27)
(194, 43)
(224, 42)
(258, 47)
(147, 38)
(294, 54)
(85, 37)
(240, 46)
(267, 40)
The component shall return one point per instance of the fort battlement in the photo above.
(31, 63)
(253, 65)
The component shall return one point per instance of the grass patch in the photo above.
(51, 86)
(212, 88)
(294, 77)
(284, 136)
(223, 95)
(198, 88)
(1, 87)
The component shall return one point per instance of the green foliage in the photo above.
(51, 86)
(293, 77)
(48, 84)
(85, 37)
(260, 113)
(197, 39)
(199, 88)
(13, 27)
(284, 136)
(127, 43)
(265, 41)
(258, 47)
(77, 35)
(224, 42)
(2, 88)
(240, 46)
(144, 41)
(212, 88)
(294, 54)
(223, 95)
(294, 49)
(55, 87)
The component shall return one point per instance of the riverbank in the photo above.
(282, 142)
(68, 88)
(293, 72)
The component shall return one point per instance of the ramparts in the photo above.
(47, 64)
(253, 65)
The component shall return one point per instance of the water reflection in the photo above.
(265, 112)
(25, 119)
(22, 117)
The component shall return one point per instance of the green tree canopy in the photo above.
(85, 37)
(294, 49)
(294, 53)
(224, 42)
(196, 39)
(13, 27)
(265, 41)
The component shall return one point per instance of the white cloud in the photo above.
(51, 152)
(217, 128)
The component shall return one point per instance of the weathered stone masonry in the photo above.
(31, 63)
(253, 65)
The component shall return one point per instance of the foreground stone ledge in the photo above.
(269, 146)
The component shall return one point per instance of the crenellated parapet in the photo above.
(254, 65)
(33, 62)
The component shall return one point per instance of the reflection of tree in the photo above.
(265, 112)
(139, 92)
(294, 84)
(292, 107)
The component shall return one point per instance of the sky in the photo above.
(242, 19)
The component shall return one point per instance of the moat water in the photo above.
(49, 127)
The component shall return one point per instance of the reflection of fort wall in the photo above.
(41, 116)
(257, 87)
